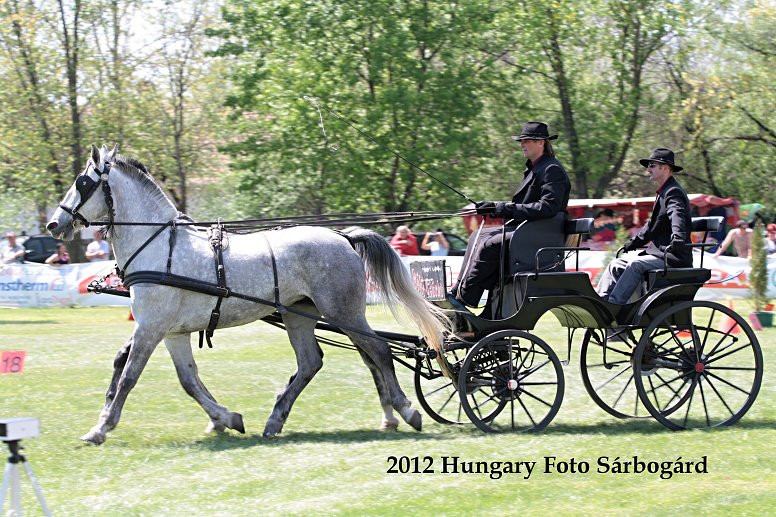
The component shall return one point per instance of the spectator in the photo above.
(98, 249)
(438, 246)
(60, 257)
(741, 238)
(12, 252)
(770, 239)
(404, 242)
(604, 226)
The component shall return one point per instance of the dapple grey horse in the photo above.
(319, 271)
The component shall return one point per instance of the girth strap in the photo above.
(279, 306)
(216, 242)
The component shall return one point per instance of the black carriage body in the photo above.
(538, 283)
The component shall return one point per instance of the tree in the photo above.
(595, 59)
(392, 68)
(724, 87)
(758, 276)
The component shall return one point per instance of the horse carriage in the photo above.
(687, 363)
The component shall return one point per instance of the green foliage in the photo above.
(392, 68)
(443, 83)
(758, 276)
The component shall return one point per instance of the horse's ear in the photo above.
(113, 151)
(95, 155)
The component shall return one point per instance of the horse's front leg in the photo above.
(118, 368)
(179, 346)
(142, 344)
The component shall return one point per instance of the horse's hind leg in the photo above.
(380, 354)
(389, 422)
(142, 344)
(179, 346)
(309, 359)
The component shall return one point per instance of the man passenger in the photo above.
(667, 233)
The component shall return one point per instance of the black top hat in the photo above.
(661, 155)
(534, 131)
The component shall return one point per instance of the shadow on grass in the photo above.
(28, 322)
(615, 428)
(643, 426)
(230, 441)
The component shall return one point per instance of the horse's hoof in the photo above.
(389, 425)
(94, 437)
(237, 423)
(213, 427)
(416, 420)
(272, 428)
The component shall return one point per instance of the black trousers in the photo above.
(481, 264)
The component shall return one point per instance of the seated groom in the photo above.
(667, 233)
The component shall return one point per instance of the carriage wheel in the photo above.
(706, 362)
(608, 375)
(437, 393)
(511, 381)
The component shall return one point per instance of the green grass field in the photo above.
(330, 457)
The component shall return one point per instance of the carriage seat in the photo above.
(557, 232)
(529, 237)
(552, 277)
(658, 278)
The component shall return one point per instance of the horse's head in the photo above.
(82, 202)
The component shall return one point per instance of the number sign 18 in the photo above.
(12, 361)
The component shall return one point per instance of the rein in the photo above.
(334, 219)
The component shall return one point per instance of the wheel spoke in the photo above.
(666, 383)
(615, 363)
(496, 363)
(613, 377)
(546, 383)
(708, 332)
(533, 370)
(681, 346)
(726, 334)
(622, 392)
(537, 398)
(703, 400)
(490, 398)
(526, 411)
(438, 389)
(729, 383)
(447, 401)
(747, 345)
(612, 349)
(742, 368)
(718, 395)
(654, 393)
(689, 403)
(511, 366)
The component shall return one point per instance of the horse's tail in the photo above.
(395, 283)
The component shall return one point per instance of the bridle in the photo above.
(86, 187)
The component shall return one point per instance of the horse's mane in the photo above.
(136, 168)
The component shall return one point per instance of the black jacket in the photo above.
(543, 193)
(670, 222)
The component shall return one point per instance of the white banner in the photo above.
(41, 285)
